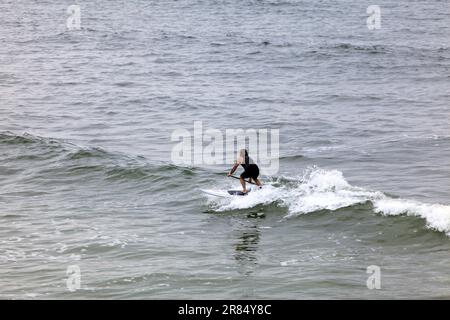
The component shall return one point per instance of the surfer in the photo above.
(251, 170)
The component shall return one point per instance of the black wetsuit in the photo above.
(251, 170)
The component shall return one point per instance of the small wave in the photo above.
(80, 161)
(319, 190)
(292, 157)
(34, 142)
(436, 137)
(26, 138)
(372, 49)
(124, 84)
(87, 153)
(126, 173)
(437, 216)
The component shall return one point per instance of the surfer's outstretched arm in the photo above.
(236, 165)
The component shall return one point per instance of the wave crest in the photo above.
(320, 189)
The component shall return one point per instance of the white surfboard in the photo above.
(224, 193)
(216, 193)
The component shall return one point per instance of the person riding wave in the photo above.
(251, 170)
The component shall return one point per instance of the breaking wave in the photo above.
(320, 189)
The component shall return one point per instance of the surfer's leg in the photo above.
(244, 190)
(255, 177)
(242, 178)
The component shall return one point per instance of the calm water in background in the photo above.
(86, 119)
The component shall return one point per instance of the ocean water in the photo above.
(86, 118)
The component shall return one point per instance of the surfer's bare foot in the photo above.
(244, 191)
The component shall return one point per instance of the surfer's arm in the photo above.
(236, 165)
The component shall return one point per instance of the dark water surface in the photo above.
(86, 118)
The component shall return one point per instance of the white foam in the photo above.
(268, 194)
(288, 263)
(320, 189)
(437, 216)
(324, 190)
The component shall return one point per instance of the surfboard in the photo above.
(216, 193)
(236, 193)
(223, 193)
